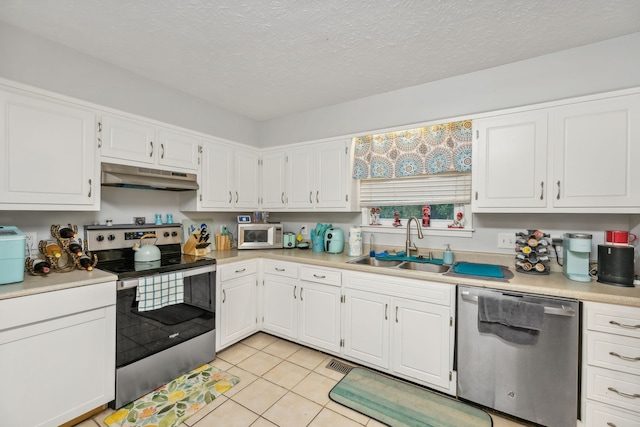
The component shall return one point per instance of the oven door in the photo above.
(140, 334)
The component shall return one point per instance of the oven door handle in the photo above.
(132, 283)
(558, 311)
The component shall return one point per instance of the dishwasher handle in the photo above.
(556, 311)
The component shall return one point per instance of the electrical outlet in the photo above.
(507, 240)
(31, 244)
(304, 230)
(223, 227)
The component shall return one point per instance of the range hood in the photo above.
(147, 178)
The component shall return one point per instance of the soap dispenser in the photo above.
(447, 255)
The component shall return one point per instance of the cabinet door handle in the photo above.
(318, 276)
(280, 269)
(151, 152)
(630, 396)
(236, 197)
(224, 296)
(242, 270)
(294, 291)
(301, 289)
(622, 325)
(558, 195)
(610, 424)
(310, 196)
(476, 195)
(396, 314)
(386, 311)
(90, 187)
(631, 359)
(541, 190)
(317, 196)
(230, 197)
(282, 198)
(162, 151)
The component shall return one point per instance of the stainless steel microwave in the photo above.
(260, 236)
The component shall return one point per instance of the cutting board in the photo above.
(482, 270)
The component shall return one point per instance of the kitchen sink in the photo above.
(376, 262)
(405, 265)
(421, 266)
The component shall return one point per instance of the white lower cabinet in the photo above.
(237, 298)
(58, 362)
(611, 377)
(304, 308)
(402, 326)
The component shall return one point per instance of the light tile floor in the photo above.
(281, 384)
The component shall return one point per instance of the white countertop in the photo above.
(54, 282)
(555, 284)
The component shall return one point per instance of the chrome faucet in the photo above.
(409, 246)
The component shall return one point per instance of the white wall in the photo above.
(599, 67)
(33, 60)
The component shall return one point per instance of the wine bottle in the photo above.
(41, 266)
(53, 249)
(67, 233)
(75, 248)
(86, 263)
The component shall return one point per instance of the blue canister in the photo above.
(317, 242)
(158, 219)
(169, 219)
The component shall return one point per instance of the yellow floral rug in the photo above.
(171, 404)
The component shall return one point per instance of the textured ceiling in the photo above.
(268, 58)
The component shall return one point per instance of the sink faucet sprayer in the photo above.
(409, 247)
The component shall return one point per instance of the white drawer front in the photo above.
(321, 275)
(606, 416)
(614, 388)
(280, 268)
(235, 270)
(613, 352)
(614, 319)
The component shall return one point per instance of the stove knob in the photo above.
(166, 234)
(100, 238)
(174, 233)
(111, 237)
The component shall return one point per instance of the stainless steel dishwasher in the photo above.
(536, 378)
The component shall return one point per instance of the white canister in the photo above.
(355, 241)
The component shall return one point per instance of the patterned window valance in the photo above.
(428, 150)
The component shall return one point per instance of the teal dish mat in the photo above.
(482, 270)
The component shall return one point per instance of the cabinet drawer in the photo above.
(321, 275)
(601, 415)
(280, 268)
(613, 352)
(614, 388)
(235, 270)
(614, 319)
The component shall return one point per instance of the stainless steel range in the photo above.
(165, 321)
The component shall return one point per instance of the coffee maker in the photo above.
(576, 248)
(615, 265)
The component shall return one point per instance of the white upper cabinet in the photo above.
(273, 180)
(596, 153)
(246, 179)
(316, 177)
(129, 141)
(561, 157)
(47, 154)
(228, 179)
(510, 161)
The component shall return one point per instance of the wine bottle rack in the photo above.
(68, 260)
(532, 252)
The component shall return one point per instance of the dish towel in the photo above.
(160, 290)
(513, 320)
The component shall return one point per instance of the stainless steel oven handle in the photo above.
(557, 311)
(132, 283)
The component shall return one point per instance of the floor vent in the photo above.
(343, 368)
